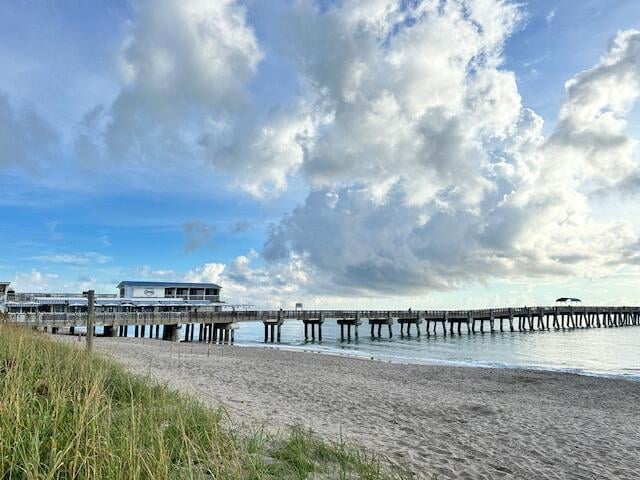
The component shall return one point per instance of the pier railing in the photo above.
(142, 318)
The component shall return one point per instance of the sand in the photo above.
(453, 422)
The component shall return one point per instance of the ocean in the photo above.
(606, 352)
(610, 352)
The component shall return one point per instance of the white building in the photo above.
(133, 297)
(178, 290)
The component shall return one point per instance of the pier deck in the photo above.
(220, 326)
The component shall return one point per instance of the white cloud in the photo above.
(590, 141)
(78, 259)
(34, 281)
(146, 271)
(184, 66)
(473, 189)
(551, 15)
(406, 93)
(425, 170)
(243, 282)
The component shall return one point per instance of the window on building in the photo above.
(169, 292)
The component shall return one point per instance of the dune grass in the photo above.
(65, 413)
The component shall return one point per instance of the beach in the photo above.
(438, 421)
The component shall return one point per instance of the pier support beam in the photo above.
(270, 332)
(348, 323)
(170, 333)
(379, 322)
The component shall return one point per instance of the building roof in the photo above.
(129, 283)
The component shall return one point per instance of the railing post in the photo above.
(91, 312)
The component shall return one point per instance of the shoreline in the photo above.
(448, 363)
(449, 421)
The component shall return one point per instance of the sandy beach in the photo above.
(449, 422)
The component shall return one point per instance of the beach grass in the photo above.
(66, 413)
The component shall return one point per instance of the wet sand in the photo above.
(453, 422)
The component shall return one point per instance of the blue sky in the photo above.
(118, 161)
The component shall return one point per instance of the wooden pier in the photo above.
(219, 327)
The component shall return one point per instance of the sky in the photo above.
(347, 153)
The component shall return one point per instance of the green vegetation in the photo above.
(67, 414)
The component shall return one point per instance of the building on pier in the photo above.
(142, 297)
(172, 290)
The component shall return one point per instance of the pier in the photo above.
(220, 326)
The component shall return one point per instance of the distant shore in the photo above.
(455, 422)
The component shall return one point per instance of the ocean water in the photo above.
(609, 352)
(595, 351)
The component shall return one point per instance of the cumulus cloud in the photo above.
(430, 173)
(245, 282)
(425, 170)
(410, 93)
(590, 141)
(184, 68)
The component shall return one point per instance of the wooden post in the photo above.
(91, 313)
